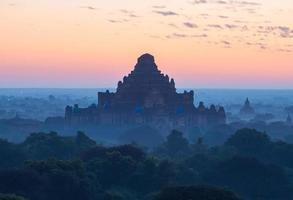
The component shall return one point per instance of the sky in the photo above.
(200, 43)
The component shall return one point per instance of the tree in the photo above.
(199, 147)
(125, 150)
(250, 142)
(176, 143)
(83, 143)
(11, 155)
(39, 146)
(61, 179)
(10, 197)
(251, 178)
(195, 193)
(27, 183)
(112, 169)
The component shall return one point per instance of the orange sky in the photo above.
(201, 43)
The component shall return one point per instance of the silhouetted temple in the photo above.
(247, 109)
(145, 96)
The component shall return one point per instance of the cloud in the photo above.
(173, 25)
(89, 7)
(281, 31)
(125, 11)
(114, 21)
(133, 15)
(231, 26)
(199, 2)
(259, 45)
(159, 7)
(221, 2)
(223, 17)
(286, 35)
(227, 27)
(215, 26)
(241, 21)
(251, 10)
(200, 36)
(129, 13)
(284, 29)
(284, 50)
(190, 25)
(248, 3)
(244, 28)
(166, 13)
(225, 42)
(182, 35)
(177, 35)
(204, 15)
(227, 2)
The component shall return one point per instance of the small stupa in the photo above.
(247, 109)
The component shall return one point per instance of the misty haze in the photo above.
(146, 100)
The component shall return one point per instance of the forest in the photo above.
(46, 166)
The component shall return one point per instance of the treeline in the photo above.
(49, 166)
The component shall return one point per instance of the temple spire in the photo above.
(247, 102)
(247, 109)
(146, 63)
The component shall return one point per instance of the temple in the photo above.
(247, 109)
(145, 96)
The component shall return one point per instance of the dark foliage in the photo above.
(252, 143)
(10, 197)
(42, 146)
(251, 178)
(49, 166)
(52, 179)
(195, 193)
(249, 142)
(11, 155)
(175, 146)
(125, 150)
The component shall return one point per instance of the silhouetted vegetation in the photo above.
(200, 192)
(48, 166)
(10, 197)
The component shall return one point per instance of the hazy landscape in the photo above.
(146, 100)
(264, 100)
(134, 162)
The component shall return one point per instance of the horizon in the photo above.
(114, 88)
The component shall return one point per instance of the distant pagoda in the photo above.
(247, 109)
(145, 96)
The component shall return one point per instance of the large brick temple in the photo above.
(145, 97)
